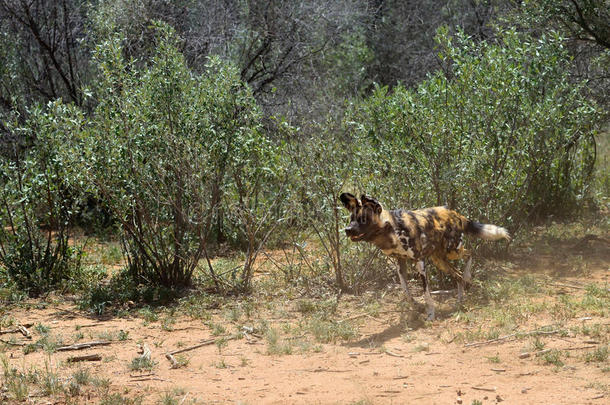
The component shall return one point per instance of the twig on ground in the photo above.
(183, 398)
(172, 360)
(24, 331)
(512, 335)
(149, 378)
(389, 353)
(351, 318)
(170, 355)
(578, 348)
(599, 396)
(86, 345)
(6, 342)
(86, 357)
(90, 325)
(326, 370)
(440, 292)
(484, 389)
(18, 329)
(525, 355)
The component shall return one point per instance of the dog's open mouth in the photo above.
(355, 238)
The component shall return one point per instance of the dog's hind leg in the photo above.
(423, 274)
(446, 267)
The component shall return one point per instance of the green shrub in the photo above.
(38, 201)
(500, 132)
(173, 154)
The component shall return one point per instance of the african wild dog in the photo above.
(432, 233)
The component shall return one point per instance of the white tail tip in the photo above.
(493, 232)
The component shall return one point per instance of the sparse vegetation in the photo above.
(169, 171)
(599, 355)
(142, 363)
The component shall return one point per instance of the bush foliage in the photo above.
(185, 161)
(501, 132)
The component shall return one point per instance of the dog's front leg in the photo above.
(423, 274)
(402, 275)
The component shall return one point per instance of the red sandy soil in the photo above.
(395, 358)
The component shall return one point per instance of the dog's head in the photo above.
(365, 220)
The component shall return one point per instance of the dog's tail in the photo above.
(487, 231)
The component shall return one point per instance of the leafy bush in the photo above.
(38, 201)
(168, 152)
(499, 132)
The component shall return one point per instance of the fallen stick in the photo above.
(525, 355)
(389, 353)
(90, 325)
(6, 342)
(2, 332)
(86, 357)
(325, 370)
(24, 331)
(86, 345)
(18, 329)
(512, 335)
(484, 389)
(579, 348)
(439, 292)
(172, 360)
(351, 318)
(148, 379)
(170, 355)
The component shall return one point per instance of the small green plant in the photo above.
(118, 399)
(276, 345)
(221, 364)
(82, 376)
(217, 329)
(221, 343)
(168, 399)
(15, 382)
(181, 361)
(328, 331)
(538, 344)
(553, 357)
(101, 382)
(494, 359)
(148, 315)
(51, 383)
(43, 330)
(476, 402)
(306, 306)
(423, 347)
(167, 324)
(141, 363)
(599, 355)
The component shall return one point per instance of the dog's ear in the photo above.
(371, 202)
(350, 202)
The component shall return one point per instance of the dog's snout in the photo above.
(349, 230)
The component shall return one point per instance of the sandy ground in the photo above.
(392, 360)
